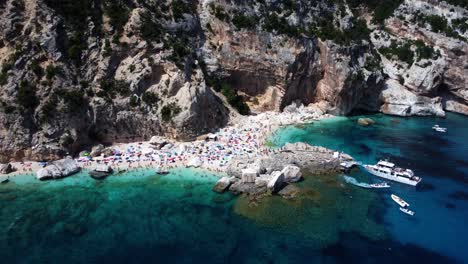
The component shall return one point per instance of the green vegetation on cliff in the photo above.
(243, 21)
(356, 33)
(118, 13)
(26, 96)
(409, 51)
(169, 111)
(382, 9)
(232, 96)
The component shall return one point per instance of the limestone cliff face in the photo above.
(435, 80)
(75, 73)
(273, 68)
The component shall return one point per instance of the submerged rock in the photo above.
(58, 169)
(290, 191)
(363, 121)
(75, 229)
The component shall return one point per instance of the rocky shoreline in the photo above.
(253, 168)
(275, 171)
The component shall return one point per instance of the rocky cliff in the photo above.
(78, 72)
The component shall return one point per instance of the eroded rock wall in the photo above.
(77, 73)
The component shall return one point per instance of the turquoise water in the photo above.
(141, 217)
(440, 203)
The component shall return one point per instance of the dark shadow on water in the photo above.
(376, 211)
(459, 195)
(354, 248)
(449, 205)
(425, 187)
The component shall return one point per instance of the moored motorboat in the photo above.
(388, 170)
(407, 211)
(399, 201)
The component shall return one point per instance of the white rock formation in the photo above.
(276, 181)
(399, 101)
(292, 173)
(249, 175)
(222, 184)
(58, 169)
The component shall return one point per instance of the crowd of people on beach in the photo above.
(212, 153)
(246, 138)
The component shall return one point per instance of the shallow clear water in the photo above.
(143, 217)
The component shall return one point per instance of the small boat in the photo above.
(380, 185)
(407, 211)
(5, 181)
(399, 201)
(439, 129)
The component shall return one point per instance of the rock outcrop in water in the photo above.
(78, 73)
(275, 170)
(363, 121)
(58, 169)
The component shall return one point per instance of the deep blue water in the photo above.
(440, 203)
(142, 217)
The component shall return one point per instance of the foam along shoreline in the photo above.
(245, 139)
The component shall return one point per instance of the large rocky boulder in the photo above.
(292, 173)
(58, 169)
(250, 188)
(97, 150)
(276, 182)
(158, 142)
(6, 168)
(222, 184)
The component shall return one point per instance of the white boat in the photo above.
(407, 211)
(380, 185)
(388, 170)
(399, 201)
(439, 129)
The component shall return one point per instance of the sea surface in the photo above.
(142, 217)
